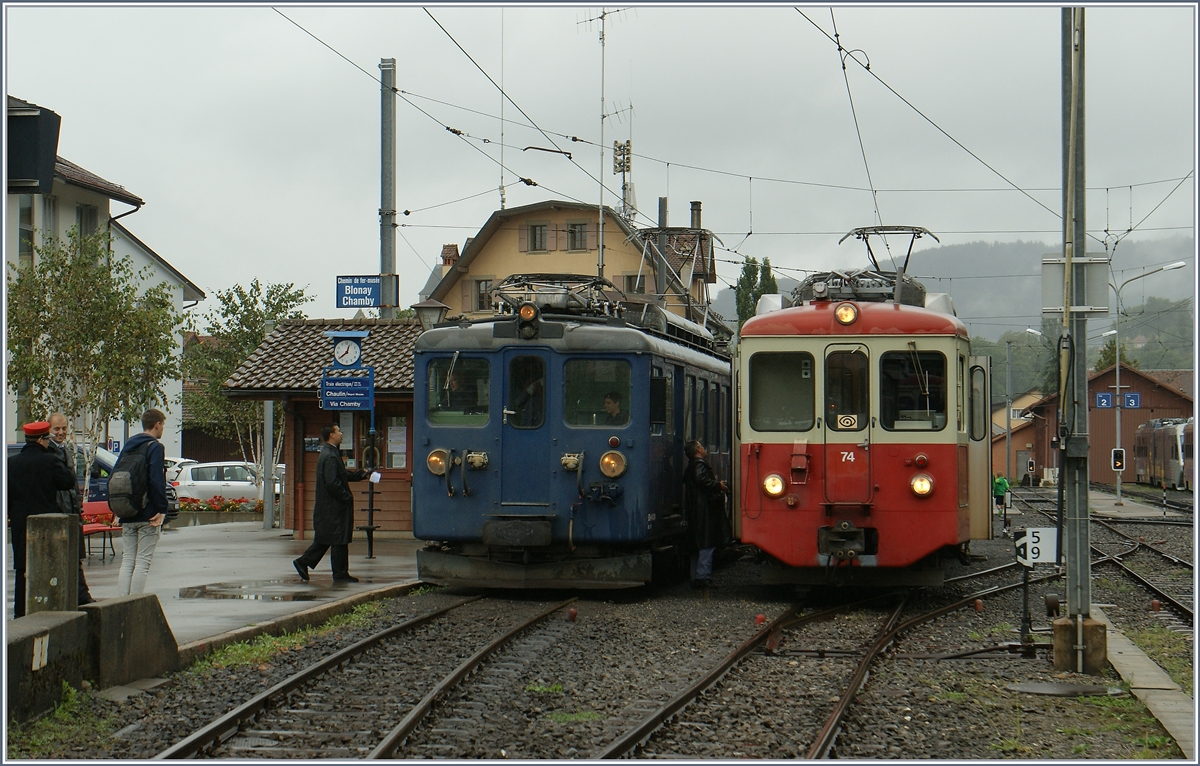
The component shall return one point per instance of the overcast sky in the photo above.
(253, 134)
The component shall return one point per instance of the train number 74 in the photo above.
(847, 457)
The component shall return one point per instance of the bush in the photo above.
(221, 504)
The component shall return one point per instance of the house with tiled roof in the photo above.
(670, 266)
(287, 368)
(1159, 394)
(47, 196)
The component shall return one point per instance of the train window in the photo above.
(980, 423)
(961, 380)
(689, 429)
(669, 374)
(912, 390)
(596, 392)
(846, 390)
(701, 400)
(526, 392)
(658, 402)
(458, 391)
(782, 392)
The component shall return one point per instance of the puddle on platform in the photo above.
(257, 590)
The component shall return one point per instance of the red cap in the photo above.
(40, 428)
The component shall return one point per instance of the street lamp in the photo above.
(1117, 346)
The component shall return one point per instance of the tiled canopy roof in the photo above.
(77, 176)
(292, 358)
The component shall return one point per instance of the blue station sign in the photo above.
(1132, 401)
(348, 393)
(358, 292)
(1104, 400)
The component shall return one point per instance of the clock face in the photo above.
(346, 352)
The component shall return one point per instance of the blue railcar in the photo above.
(533, 475)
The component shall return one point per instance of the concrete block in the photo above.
(52, 563)
(1095, 643)
(44, 649)
(130, 639)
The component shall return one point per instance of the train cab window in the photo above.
(846, 390)
(458, 391)
(701, 400)
(782, 392)
(526, 392)
(912, 390)
(596, 392)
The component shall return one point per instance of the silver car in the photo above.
(204, 481)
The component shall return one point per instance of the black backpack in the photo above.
(129, 481)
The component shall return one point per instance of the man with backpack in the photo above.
(143, 495)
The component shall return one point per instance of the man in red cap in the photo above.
(35, 475)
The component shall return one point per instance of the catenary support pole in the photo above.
(387, 188)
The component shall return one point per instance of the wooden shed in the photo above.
(287, 368)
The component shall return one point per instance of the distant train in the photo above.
(1162, 453)
(552, 437)
(864, 433)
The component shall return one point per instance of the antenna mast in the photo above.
(600, 238)
(501, 108)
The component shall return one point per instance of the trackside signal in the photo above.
(1118, 459)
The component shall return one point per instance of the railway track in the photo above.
(339, 706)
(1138, 549)
(811, 718)
(1171, 499)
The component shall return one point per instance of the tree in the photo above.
(753, 283)
(83, 338)
(1108, 356)
(237, 326)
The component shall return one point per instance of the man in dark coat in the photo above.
(333, 510)
(35, 475)
(704, 509)
(69, 500)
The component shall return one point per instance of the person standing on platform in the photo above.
(999, 490)
(704, 509)
(69, 500)
(35, 477)
(140, 534)
(333, 510)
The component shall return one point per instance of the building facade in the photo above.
(1160, 394)
(71, 196)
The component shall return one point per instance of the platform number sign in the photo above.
(1132, 401)
(1036, 545)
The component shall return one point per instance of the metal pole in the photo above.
(268, 477)
(1117, 344)
(1073, 398)
(387, 188)
(1008, 410)
(600, 230)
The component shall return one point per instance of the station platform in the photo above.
(218, 578)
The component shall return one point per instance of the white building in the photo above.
(77, 197)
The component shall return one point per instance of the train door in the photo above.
(847, 424)
(523, 441)
(979, 448)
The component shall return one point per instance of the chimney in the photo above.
(449, 257)
(696, 215)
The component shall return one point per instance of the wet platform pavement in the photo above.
(218, 578)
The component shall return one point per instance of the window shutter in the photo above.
(467, 305)
(592, 244)
(523, 238)
(551, 236)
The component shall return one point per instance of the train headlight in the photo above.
(774, 485)
(922, 484)
(612, 464)
(846, 313)
(437, 462)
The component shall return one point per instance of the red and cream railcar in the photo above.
(864, 438)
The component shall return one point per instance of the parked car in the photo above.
(174, 464)
(101, 467)
(230, 480)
